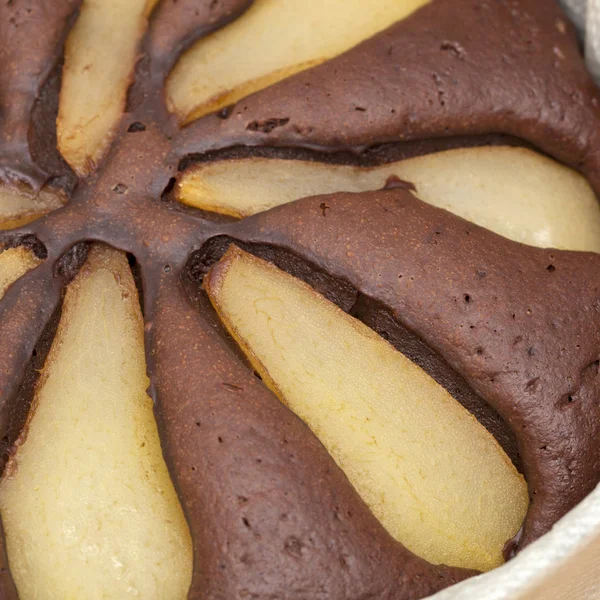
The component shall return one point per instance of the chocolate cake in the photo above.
(505, 326)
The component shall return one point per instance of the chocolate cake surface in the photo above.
(507, 328)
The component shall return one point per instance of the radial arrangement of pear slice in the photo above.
(515, 192)
(14, 263)
(430, 472)
(271, 41)
(100, 56)
(88, 508)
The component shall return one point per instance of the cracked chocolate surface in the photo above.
(271, 515)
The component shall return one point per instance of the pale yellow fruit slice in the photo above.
(20, 205)
(435, 478)
(88, 507)
(14, 263)
(515, 192)
(100, 56)
(272, 40)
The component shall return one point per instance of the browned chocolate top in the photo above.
(509, 329)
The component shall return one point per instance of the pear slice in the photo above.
(88, 508)
(430, 472)
(14, 263)
(272, 40)
(100, 55)
(515, 192)
(20, 205)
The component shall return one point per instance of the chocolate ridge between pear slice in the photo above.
(513, 320)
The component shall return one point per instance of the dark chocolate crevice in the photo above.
(17, 409)
(335, 290)
(374, 314)
(31, 242)
(70, 262)
(136, 271)
(42, 135)
(369, 156)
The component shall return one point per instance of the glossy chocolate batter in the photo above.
(510, 330)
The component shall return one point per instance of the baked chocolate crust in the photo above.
(456, 69)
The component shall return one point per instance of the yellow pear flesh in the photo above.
(272, 40)
(100, 56)
(14, 263)
(88, 508)
(514, 192)
(20, 205)
(431, 473)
